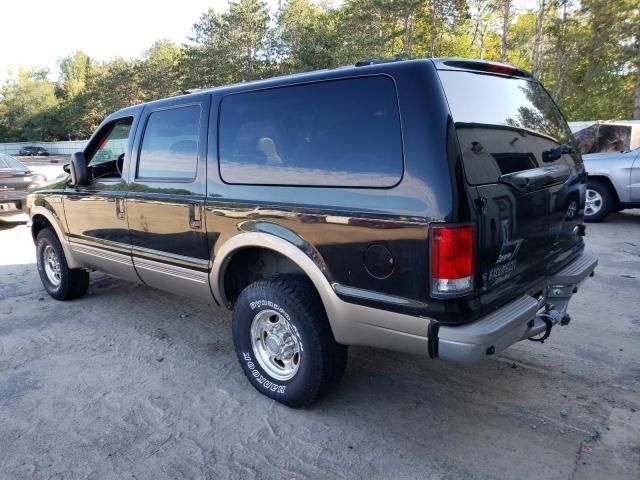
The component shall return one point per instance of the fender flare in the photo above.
(270, 242)
(55, 222)
(351, 324)
(281, 246)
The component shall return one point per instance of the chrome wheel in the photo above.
(593, 203)
(275, 344)
(51, 265)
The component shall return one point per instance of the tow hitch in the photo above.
(550, 317)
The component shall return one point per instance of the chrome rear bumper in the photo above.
(521, 319)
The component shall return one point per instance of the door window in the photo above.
(169, 148)
(106, 160)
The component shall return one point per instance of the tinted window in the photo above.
(338, 133)
(113, 143)
(504, 125)
(170, 144)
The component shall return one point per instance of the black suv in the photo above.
(430, 206)
(33, 151)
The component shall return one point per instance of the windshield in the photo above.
(504, 125)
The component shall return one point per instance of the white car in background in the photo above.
(613, 183)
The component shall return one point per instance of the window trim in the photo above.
(308, 83)
(193, 179)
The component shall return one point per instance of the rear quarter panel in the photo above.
(335, 226)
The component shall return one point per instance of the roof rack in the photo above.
(368, 61)
(376, 61)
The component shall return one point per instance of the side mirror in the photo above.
(555, 153)
(78, 170)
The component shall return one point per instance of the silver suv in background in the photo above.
(613, 183)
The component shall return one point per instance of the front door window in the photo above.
(107, 158)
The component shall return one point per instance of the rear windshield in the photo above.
(504, 125)
(7, 162)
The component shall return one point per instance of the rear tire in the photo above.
(61, 282)
(600, 201)
(284, 342)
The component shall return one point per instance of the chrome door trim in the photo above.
(102, 254)
(171, 270)
(166, 258)
(100, 243)
(105, 260)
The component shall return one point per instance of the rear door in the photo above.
(166, 196)
(520, 158)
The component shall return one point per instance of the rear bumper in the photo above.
(19, 198)
(523, 318)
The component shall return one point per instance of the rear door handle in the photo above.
(120, 207)
(195, 216)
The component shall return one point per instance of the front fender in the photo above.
(618, 172)
(43, 208)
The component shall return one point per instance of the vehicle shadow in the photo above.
(14, 221)
(631, 217)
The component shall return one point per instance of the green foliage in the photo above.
(28, 106)
(589, 55)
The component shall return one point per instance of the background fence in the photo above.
(54, 148)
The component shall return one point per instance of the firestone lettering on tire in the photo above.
(266, 384)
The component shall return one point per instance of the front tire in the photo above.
(284, 342)
(599, 201)
(61, 282)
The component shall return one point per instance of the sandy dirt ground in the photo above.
(131, 382)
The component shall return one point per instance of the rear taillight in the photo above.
(452, 258)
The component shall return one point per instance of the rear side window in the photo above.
(170, 144)
(337, 133)
(504, 125)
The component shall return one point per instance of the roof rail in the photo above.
(368, 61)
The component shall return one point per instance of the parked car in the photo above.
(613, 183)
(33, 151)
(15, 181)
(431, 206)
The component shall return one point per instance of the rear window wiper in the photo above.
(536, 178)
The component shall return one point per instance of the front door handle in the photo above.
(195, 216)
(120, 208)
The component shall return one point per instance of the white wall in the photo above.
(54, 148)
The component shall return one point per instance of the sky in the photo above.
(36, 33)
